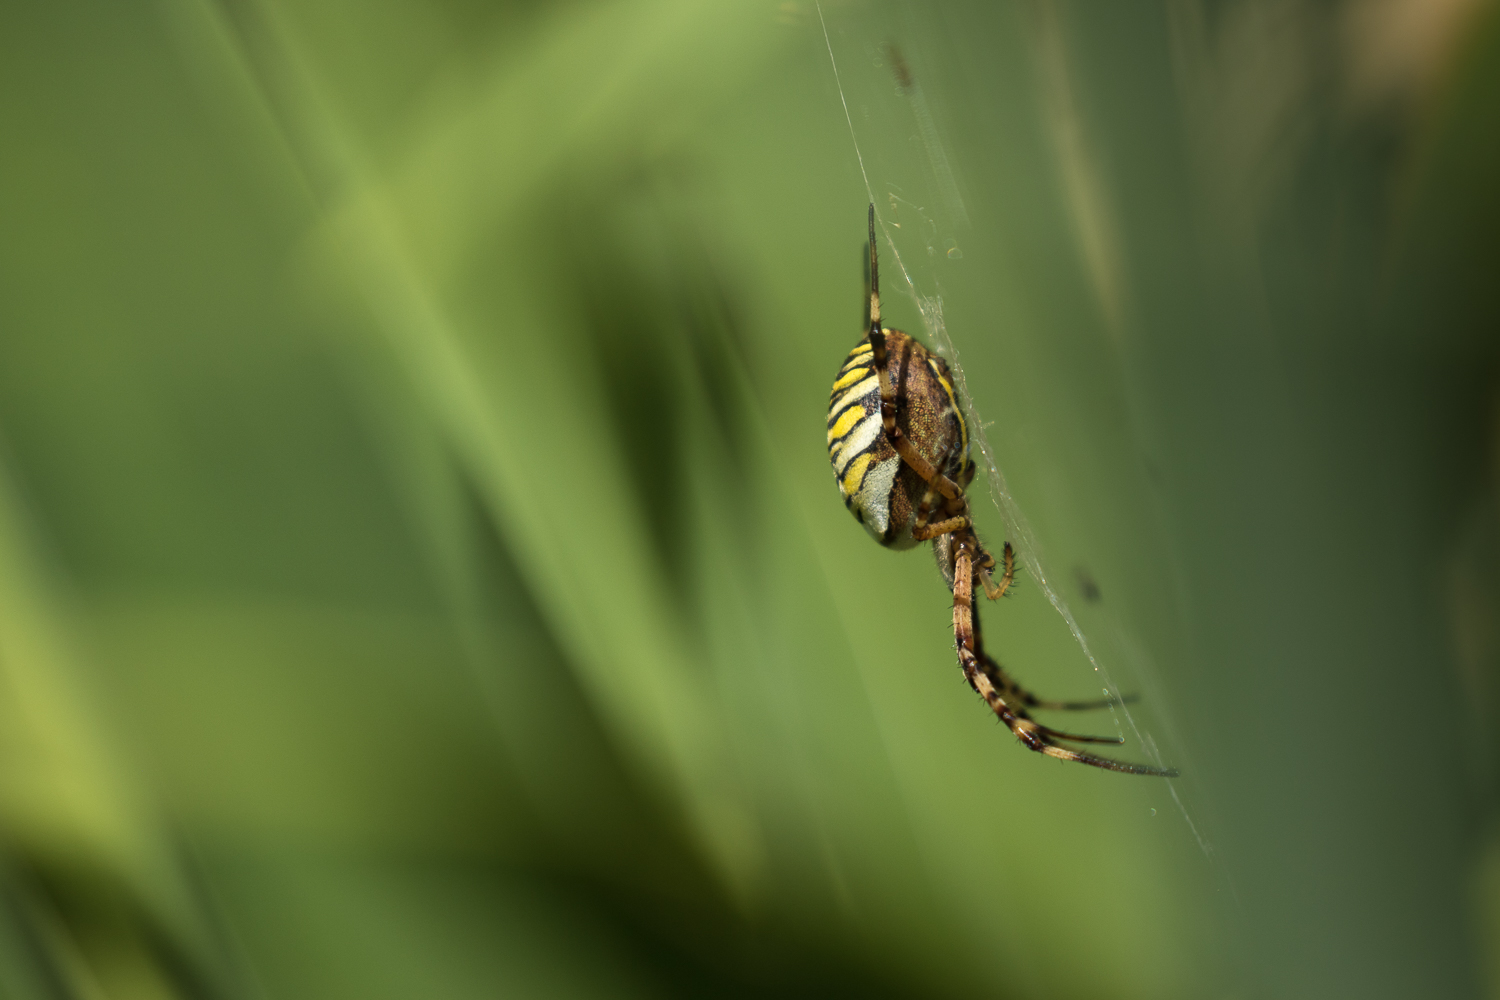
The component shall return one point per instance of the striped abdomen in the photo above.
(882, 492)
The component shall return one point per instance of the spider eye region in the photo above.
(883, 493)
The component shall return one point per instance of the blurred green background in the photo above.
(420, 574)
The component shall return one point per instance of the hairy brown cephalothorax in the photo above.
(899, 445)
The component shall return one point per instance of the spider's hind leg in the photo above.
(971, 658)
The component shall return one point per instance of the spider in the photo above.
(900, 451)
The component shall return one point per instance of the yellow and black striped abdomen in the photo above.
(881, 492)
(864, 463)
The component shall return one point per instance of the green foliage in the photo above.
(420, 574)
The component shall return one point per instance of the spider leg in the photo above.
(894, 434)
(1013, 690)
(994, 591)
(920, 529)
(1035, 736)
(1058, 734)
(903, 445)
(1019, 699)
(923, 532)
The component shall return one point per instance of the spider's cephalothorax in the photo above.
(899, 445)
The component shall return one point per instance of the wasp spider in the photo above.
(900, 451)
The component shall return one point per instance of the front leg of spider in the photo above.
(899, 446)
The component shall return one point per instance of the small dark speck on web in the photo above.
(899, 68)
(1087, 585)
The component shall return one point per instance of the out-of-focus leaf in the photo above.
(419, 573)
